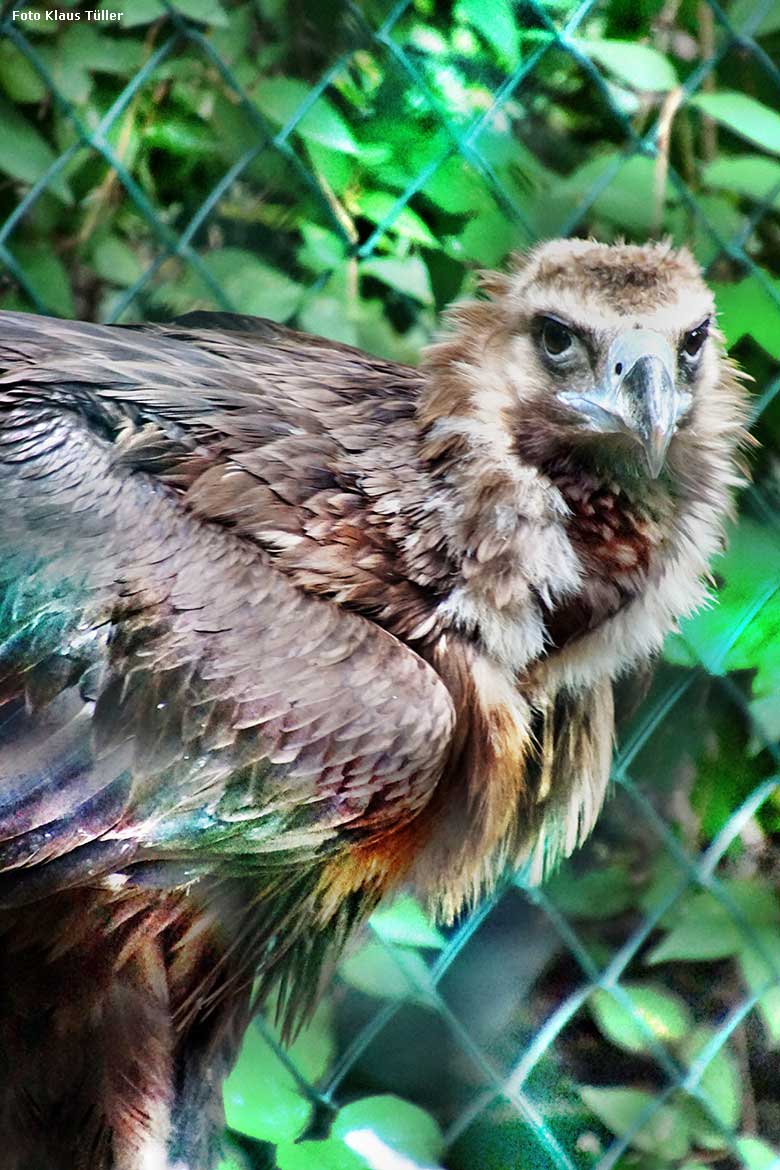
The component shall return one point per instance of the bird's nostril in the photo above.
(619, 368)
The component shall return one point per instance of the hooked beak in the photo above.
(637, 395)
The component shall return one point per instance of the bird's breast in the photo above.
(615, 532)
(618, 537)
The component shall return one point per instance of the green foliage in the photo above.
(388, 966)
(379, 971)
(264, 1096)
(759, 963)
(638, 66)
(659, 1130)
(404, 922)
(369, 1133)
(744, 116)
(25, 155)
(602, 893)
(271, 1098)
(672, 1128)
(741, 632)
(354, 143)
(736, 922)
(757, 1155)
(710, 927)
(647, 1013)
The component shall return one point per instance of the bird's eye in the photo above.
(556, 338)
(694, 339)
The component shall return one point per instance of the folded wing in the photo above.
(167, 696)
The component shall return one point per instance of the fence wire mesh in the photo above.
(180, 159)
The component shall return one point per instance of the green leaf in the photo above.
(322, 249)
(725, 773)
(253, 286)
(396, 1124)
(409, 276)
(334, 166)
(405, 922)
(665, 1133)
(372, 1132)
(233, 41)
(402, 975)
(314, 1047)
(203, 11)
(115, 261)
(48, 278)
(765, 714)
(751, 175)
(13, 302)
(378, 205)
(720, 1081)
(250, 285)
(181, 136)
(755, 1154)
(324, 125)
(486, 239)
(69, 71)
(18, 78)
(758, 971)
(640, 67)
(377, 335)
(752, 307)
(326, 316)
(627, 200)
(25, 155)
(719, 218)
(84, 46)
(598, 893)
(627, 101)
(428, 39)
(324, 1155)
(262, 1098)
(743, 115)
(663, 1014)
(742, 17)
(496, 23)
(662, 884)
(455, 188)
(280, 98)
(708, 929)
(740, 631)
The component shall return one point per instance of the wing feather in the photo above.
(166, 692)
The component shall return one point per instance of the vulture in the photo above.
(285, 626)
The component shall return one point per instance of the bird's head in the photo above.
(603, 353)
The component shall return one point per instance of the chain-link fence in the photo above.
(346, 167)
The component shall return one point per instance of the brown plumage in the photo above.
(283, 626)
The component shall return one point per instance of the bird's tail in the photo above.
(100, 1072)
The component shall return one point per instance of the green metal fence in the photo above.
(177, 158)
